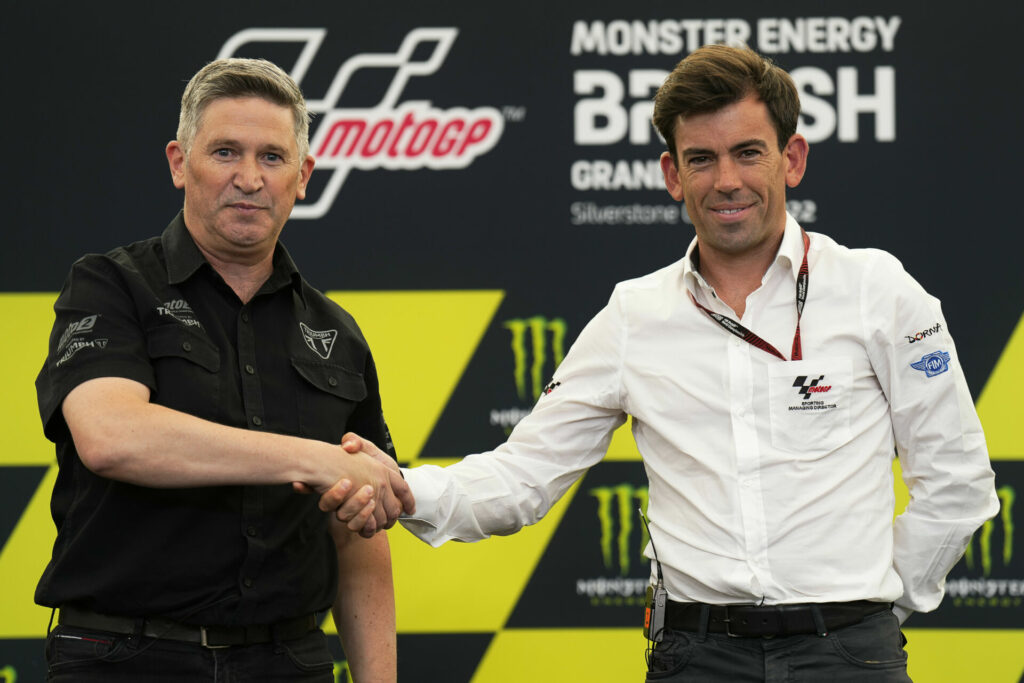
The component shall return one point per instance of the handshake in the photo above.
(370, 494)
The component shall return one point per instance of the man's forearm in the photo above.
(364, 611)
(120, 435)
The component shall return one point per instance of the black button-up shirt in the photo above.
(289, 361)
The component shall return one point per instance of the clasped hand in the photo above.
(383, 496)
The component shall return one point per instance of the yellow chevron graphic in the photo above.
(422, 343)
(25, 322)
(999, 405)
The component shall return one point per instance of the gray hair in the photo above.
(236, 77)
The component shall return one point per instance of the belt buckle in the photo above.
(755, 630)
(727, 621)
(205, 643)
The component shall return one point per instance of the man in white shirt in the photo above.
(771, 375)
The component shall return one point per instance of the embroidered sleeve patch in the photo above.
(933, 364)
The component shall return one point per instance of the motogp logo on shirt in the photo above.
(408, 135)
(933, 364)
(83, 326)
(814, 387)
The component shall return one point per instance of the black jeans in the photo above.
(75, 655)
(868, 652)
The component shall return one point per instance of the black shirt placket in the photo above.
(252, 496)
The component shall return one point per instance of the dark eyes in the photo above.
(704, 160)
(268, 157)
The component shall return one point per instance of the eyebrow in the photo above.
(231, 142)
(746, 144)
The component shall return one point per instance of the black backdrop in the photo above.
(92, 93)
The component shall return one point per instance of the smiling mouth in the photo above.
(732, 211)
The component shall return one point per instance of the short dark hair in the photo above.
(715, 76)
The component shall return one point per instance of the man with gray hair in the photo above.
(195, 386)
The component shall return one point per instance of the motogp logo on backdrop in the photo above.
(408, 135)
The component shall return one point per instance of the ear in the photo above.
(305, 170)
(673, 183)
(176, 162)
(795, 155)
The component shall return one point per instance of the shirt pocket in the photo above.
(810, 405)
(328, 394)
(186, 367)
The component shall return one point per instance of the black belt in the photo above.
(751, 621)
(207, 636)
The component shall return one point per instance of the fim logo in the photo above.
(933, 364)
(530, 337)
(406, 135)
(987, 591)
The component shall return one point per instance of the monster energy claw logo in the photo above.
(619, 502)
(1006, 498)
(538, 327)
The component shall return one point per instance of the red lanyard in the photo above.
(803, 278)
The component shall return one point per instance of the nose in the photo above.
(249, 175)
(727, 175)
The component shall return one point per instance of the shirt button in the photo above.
(187, 346)
(250, 369)
(245, 317)
(251, 531)
(332, 381)
(247, 582)
(257, 420)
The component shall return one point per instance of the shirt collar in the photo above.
(789, 256)
(184, 259)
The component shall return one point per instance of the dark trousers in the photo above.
(75, 655)
(868, 652)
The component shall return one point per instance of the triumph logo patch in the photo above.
(180, 311)
(320, 341)
(77, 345)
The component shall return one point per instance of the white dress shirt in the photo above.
(762, 488)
